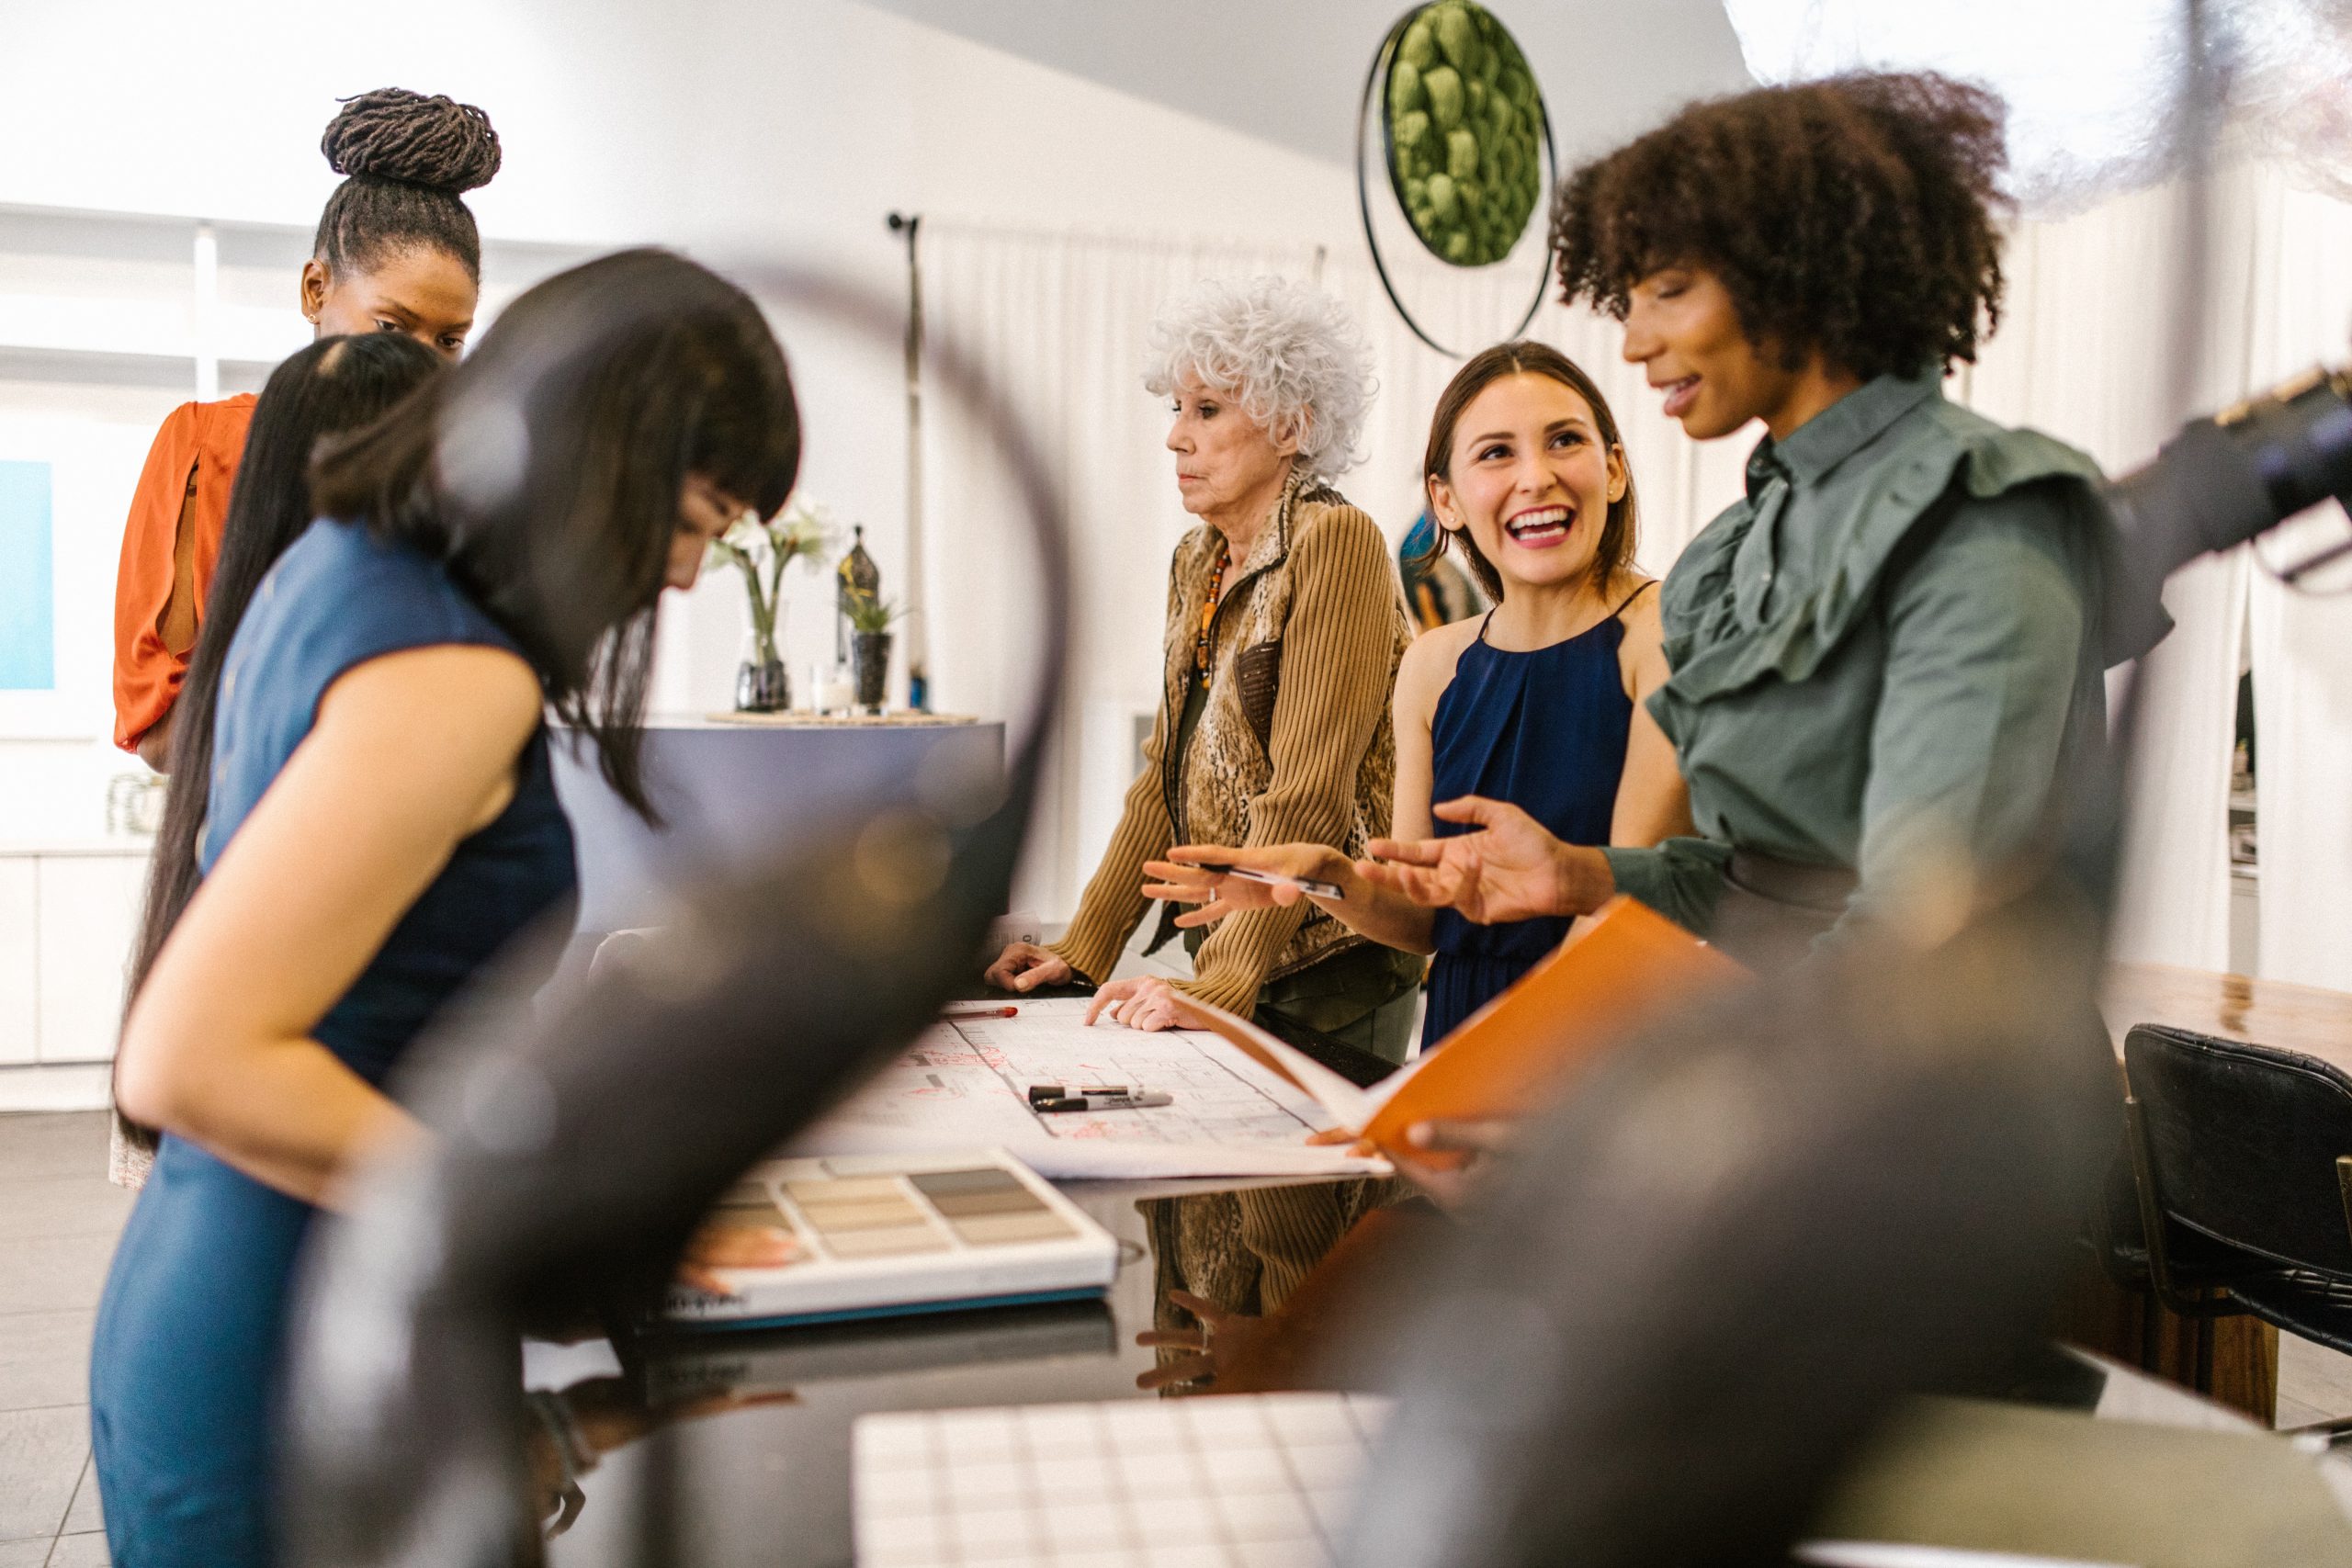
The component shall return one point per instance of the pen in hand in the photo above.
(1316, 885)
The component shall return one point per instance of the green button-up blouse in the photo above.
(1882, 654)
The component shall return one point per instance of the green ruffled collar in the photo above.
(1937, 444)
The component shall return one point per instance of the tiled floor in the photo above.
(58, 1220)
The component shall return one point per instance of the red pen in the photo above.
(982, 1012)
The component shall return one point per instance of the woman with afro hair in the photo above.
(1886, 653)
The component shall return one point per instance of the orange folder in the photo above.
(1625, 970)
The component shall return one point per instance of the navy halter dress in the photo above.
(183, 1373)
(1545, 730)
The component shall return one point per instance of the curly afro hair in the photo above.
(1853, 216)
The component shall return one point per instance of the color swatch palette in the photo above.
(878, 1236)
(1240, 1480)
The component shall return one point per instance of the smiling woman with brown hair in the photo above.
(1536, 702)
(1884, 654)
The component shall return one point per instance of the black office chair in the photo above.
(2242, 1157)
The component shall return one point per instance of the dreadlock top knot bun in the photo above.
(408, 157)
(394, 134)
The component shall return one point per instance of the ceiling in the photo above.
(1291, 71)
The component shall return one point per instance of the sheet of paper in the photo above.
(966, 1082)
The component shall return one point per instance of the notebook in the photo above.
(879, 1235)
(1627, 969)
(1238, 1480)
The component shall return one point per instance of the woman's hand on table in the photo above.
(1181, 879)
(1146, 1002)
(1508, 868)
(1203, 1353)
(1023, 966)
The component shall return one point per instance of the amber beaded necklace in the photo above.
(1208, 610)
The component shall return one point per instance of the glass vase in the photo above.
(760, 685)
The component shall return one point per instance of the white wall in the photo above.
(743, 130)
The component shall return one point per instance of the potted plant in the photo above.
(870, 620)
(761, 551)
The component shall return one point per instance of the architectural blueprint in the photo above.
(965, 1084)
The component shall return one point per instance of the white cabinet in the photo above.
(20, 963)
(89, 913)
(68, 918)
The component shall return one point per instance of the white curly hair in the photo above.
(1286, 352)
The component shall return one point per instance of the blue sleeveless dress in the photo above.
(1545, 730)
(190, 1331)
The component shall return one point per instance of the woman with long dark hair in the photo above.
(383, 821)
(396, 251)
(336, 385)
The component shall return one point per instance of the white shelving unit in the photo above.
(177, 301)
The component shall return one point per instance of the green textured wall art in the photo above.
(1464, 125)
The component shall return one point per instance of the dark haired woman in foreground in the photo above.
(1883, 656)
(396, 251)
(382, 819)
(1533, 703)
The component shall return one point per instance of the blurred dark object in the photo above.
(1734, 1251)
(2221, 482)
(2244, 1160)
(573, 1161)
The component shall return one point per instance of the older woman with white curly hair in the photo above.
(1284, 627)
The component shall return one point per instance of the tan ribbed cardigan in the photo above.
(1317, 600)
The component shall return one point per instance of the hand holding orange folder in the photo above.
(1625, 970)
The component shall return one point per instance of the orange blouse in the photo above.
(191, 469)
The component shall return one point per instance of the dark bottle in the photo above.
(858, 576)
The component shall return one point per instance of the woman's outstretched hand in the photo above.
(1024, 966)
(1180, 878)
(1509, 868)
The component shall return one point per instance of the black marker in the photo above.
(1040, 1091)
(1142, 1100)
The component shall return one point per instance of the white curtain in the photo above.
(1062, 320)
(2083, 354)
(2302, 645)
(1061, 326)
